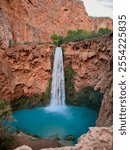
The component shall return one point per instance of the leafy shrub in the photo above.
(103, 31)
(77, 35)
(57, 39)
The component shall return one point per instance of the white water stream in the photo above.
(58, 83)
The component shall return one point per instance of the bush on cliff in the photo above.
(103, 31)
(78, 35)
(6, 140)
(57, 39)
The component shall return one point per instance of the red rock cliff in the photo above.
(101, 22)
(36, 20)
(26, 70)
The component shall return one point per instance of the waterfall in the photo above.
(58, 85)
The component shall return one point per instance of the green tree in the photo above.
(78, 35)
(57, 39)
(103, 31)
(72, 32)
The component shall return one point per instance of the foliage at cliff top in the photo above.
(78, 35)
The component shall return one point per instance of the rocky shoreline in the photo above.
(34, 142)
(98, 138)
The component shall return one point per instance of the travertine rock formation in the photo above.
(37, 20)
(26, 70)
(92, 62)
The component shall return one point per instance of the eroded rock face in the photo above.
(36, 20)
(92, 63)
(5, 31)
(101, 22)
(26, 70)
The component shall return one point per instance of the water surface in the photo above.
(68, 120)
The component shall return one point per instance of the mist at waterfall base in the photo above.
(57, 120)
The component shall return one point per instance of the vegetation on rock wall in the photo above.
(47, 94)
(33, 101)
(69, 84)
(78, 35)
(26, 102)
(89, 97)
(85, 97)
(57, 39)
(6, 140)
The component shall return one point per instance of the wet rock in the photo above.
(70, 137)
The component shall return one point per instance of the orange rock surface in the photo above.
(26, 70)
(37, 20)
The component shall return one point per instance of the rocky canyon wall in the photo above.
(26, 70)
(37, 20)
(101, 22)
(92, 63)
